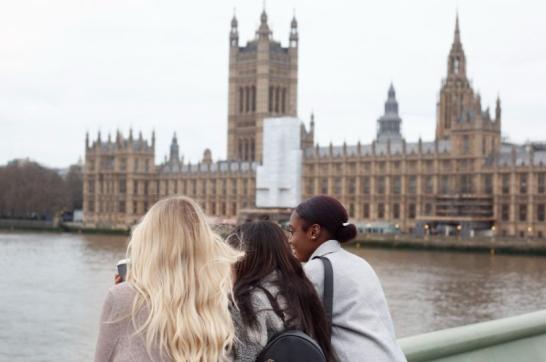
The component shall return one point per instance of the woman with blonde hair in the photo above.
(175, 303)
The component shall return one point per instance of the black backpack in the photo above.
(294, 345)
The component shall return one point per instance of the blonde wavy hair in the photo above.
(182, 273)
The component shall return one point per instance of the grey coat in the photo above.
(250, 341)
(362, 329)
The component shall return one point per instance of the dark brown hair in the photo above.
(329, 214)
(267, 250)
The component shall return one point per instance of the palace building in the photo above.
(466, 181)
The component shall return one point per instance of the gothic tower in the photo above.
(263, 79)
(459, 114)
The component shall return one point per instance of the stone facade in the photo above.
(263, 82)
(467, 181)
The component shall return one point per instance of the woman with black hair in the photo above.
(272, 292)
(362, 329)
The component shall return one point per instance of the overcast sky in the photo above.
(71, 66)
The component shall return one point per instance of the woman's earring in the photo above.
(313, 237)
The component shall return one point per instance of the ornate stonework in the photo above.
(466, 181)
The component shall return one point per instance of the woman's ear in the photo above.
(315, 231)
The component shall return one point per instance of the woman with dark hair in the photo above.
(362, 329)
(272, 292)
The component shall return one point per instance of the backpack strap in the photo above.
(274, 303)
(328, 292)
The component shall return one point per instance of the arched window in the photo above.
(240, 142)
(456, 65)
(247, 106)
(270, 99)
(241, 99)
(253, 99)
(283, 108)
(277, 98)
(245, 157)
(252, 150)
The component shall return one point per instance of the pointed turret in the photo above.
(293, 33)
(263, 31)
(86, 139)
(498, 111)
(174, 149)
(234, 33)
(456, 64)
(457, 35)
(153, 139)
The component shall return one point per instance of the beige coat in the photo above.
(117, 340)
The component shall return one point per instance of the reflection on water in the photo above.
(53, 287)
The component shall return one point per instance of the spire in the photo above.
(87, 139)
(153, 138)
(392, 93)
(174, 149)
(456, 64)
(312, 121)
(498, 110)
(457, 35)
(263, 30)
(234, 33)
(130, 134)
(293, 41)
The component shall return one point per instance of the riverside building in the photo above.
(466, 181)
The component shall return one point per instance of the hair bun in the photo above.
(346, 233)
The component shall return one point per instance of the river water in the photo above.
(52, 288)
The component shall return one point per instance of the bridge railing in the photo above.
(520, 338)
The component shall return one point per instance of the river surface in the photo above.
(52, 288)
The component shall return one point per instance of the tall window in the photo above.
(466, 144)
(253, 88)
(247, 99)
(241, 100)
(540, 212)
(380, 211)
(277, 99)
(466, 184)
(380, 184)
(396, 185)
(523, 212)
(271, 99)
(412, 184)
(283, 107)
(444, 184)
(366, 211)
(523, 183)
(324, 186)
(429, 185)
(506, 184)
(488, 184)
(351, 185)
(411, 211)
(337, 186)
(505, 212)
(428, 209)
(396, 211)
(541, 183)
(365, 184)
